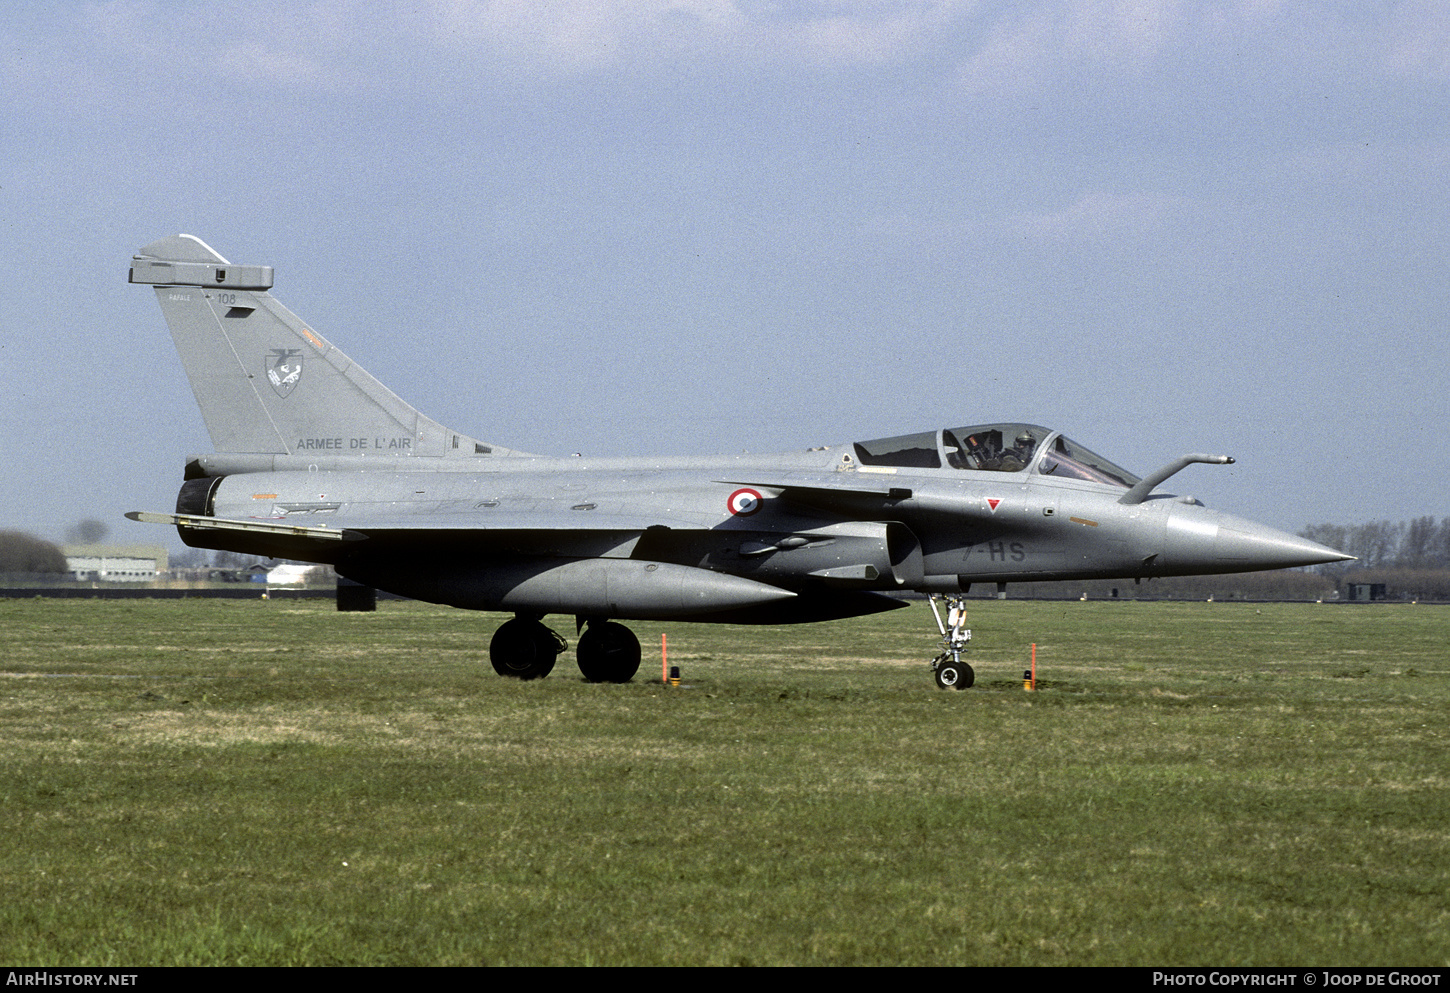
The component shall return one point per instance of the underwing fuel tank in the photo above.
(595, 587)
(1200, 541)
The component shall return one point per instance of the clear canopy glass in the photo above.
(994, 448)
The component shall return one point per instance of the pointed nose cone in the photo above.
(1259, 547)
(1201, 540)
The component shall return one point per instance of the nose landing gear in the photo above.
(950, 671)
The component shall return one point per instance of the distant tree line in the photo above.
(1422, 543)
(26, 555)
(1411, 558)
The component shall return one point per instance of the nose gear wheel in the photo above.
(950, 671)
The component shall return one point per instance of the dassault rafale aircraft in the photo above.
(317, 461)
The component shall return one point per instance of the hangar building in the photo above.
(115, 563)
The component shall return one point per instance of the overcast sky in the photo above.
(670, 226)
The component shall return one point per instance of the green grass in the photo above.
(272, 783)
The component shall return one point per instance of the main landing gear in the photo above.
(524, 648)
(951, 672)
(608, 653)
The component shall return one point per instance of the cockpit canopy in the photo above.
(994, 448)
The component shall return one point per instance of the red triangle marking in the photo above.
(992, 502)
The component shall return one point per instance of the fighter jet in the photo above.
(318, 461)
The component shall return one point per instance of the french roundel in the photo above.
(743, 503)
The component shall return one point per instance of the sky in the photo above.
(651, 227)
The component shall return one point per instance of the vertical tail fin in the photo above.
(265, 381)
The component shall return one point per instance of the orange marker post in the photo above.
(664, 661)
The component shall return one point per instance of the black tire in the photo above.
(955, 676)
(524, 649)
(608, 653)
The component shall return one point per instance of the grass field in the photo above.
(270, 783)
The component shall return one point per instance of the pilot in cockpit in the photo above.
(1015, 459)
(1026, 445)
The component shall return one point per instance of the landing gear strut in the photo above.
(524, 648)
(951, 672)
(608, 653)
